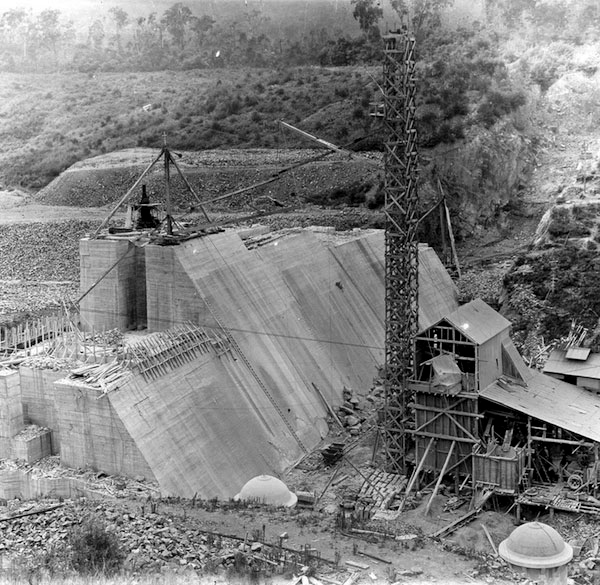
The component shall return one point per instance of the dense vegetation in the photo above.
(48, 122)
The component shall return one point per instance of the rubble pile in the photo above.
(152, 540)
(109, 486)
(47, 362)
(18, 296)
(42, 251)
(583, 535)
(350, 412)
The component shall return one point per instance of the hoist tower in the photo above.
(401, 246)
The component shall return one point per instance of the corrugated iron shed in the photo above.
(559, 363)
(478, 321)
(551, 400)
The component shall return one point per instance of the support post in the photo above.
(187, 184)
(439, 481)
(418, 469)
(452, 243)
(529, 452)
(168, 188)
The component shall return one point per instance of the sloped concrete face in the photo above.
(207, 427)
(300, 312)
(310, 307)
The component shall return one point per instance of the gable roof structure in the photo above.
(478, 321)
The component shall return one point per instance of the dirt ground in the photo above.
(19, 207)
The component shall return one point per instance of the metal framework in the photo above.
(401, 246)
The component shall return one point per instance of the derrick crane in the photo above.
(401, 246)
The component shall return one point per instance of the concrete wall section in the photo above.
(249, 297)
(20, 483)
(11, 410)
(92, 434)
(37, 391)
(338, 290)
(119, 299)
(172, 297)
(206, 428)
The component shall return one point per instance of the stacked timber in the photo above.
(379, 490)
(107, 377)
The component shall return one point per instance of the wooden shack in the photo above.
(455, 358)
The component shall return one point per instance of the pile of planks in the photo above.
(379, 490)
(107, 376)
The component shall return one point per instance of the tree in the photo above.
(120, 18)
(176, 20)
(200, 26)
(96, 34)
(367, 13)
(13, 30)
(421, 17)
(48, 24)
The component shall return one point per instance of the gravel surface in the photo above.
(102, 180)
(42, 251)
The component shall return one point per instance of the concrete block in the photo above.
(32, 448)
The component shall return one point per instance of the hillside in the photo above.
(474, 119)
(47, 123)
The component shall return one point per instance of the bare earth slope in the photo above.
(104, 179)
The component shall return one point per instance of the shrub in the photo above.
(94, 549)
(498, 104)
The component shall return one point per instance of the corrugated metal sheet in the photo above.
(558, 363)
(553, 401)
(478, 321)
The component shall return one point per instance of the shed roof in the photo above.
(559, 363)
(553, 401)
(478, 321)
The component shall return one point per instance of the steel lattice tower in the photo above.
(401, 246)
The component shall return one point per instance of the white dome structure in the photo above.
(537, 546)
(539, 552)
(267, 489)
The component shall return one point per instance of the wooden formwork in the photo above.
(446, 419)
(500, 468)
(24, 335)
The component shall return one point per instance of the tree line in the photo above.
(179, 39)
(322, 32)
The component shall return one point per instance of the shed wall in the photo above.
(430, 422)
(490, 360)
